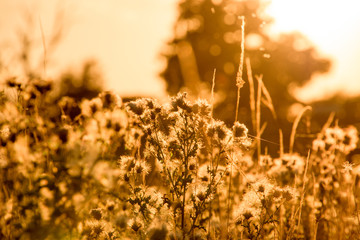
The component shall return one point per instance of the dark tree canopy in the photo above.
(207, 35)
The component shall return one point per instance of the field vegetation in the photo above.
(91, 166)
(103, 169)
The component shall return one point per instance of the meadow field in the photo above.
(97, 166)
(103, 169)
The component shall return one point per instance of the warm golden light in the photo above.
(333, 27)
(117, 33)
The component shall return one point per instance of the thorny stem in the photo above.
(159, 149)
(229, 201)
(141, 199)
(209, 192)
(258, 120)
(303, 189)
(187, 147)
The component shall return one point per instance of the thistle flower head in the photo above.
(110, 100)
(265, 161)
(96, 213)
(135, 224)
(217, 129)
(181, 102)
(240, 130)
(90, 107)
(137, 107)
(202, 107)
(42, 86)
(347, 167)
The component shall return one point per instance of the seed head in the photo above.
(136, 107)
(96, 213)
(247, 215)
(240, 130)
(135, 225)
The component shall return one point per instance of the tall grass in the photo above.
(101, 169)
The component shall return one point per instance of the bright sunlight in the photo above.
(333, 28)
(237, 151)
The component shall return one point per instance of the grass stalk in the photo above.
(212, 100)
(258, 115)
(252, 92)
(229, 202)
(294, 127)
(328, 123)
(239, 79)
(303, 189)
(267, 101)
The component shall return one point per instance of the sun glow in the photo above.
(316, 19)
(333, 27)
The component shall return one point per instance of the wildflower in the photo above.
(134, 224)
(63, 134)
(127, 163)
(115, 120)
(293, 162)
(217, 129)
(42, 86)
(240, 130)
(327, 169)
(70, 107)
(202, 107)
(221, 131)
(142, 167)
(210, 131)
(247, 211)
(192, 166)
(334, 134)
(180, 102)
(11, 82)
(261, 188)
(136, 107)
(93, 229)
(90, 107)
(165, 122)
(108, 124)
(110, 100)
(126, 177)
(289, 193)
(97, 228)
(347, 167)
(175, 149)
(110, 205)
(351, 139)
(276, 193)
(96, 213)
(247, 215)
(265, 161)
(263, 185)
(318, 145)
(200, 191)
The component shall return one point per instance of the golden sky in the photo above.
(334, 27)
(127, 35)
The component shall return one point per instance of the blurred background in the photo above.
(307, 51)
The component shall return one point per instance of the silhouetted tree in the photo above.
(207, 35)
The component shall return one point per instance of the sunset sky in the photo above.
(126, 36)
